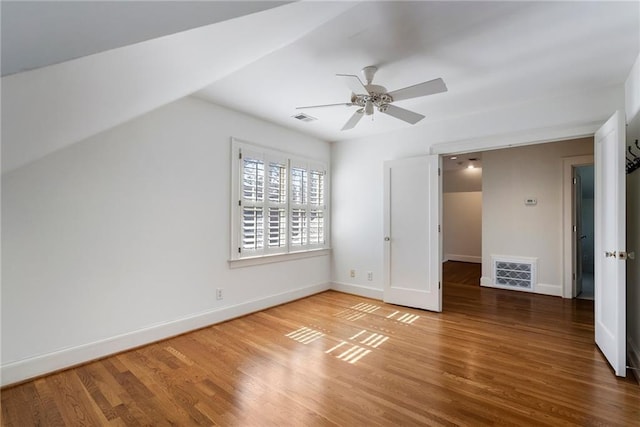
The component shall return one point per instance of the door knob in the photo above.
(610, 254)
(626, 255)
(387, 238)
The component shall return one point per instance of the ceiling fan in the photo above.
(369, 96)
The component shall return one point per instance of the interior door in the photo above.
(411, 229)
(609, 273)
(577, 235)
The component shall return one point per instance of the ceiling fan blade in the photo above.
(421, 89)
(353, 121)
(402, 114)
(346, 104)
(354, 83)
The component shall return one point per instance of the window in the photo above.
(279, 200)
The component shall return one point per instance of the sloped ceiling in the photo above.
(48, 108)
(492, 56)
(40, 33)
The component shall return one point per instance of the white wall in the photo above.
(462, 215)
(461, 180)
(511, 228)
(632, 92)
(123, 238)
(632, 98)
(633, 266)
(357, 199)
(462, 226)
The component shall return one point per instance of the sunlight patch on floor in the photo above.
(404, 318)
(305, 335)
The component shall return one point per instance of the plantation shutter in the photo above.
(298, 205)
(276, 205)
(279, 203)
(252, 202)
(317, 206)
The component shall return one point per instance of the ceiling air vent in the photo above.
(304, 117)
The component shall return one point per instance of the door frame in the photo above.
(520, 140)
(568, 250)
(529, 138)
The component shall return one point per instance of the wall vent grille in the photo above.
(515, 273)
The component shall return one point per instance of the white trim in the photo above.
(538, 288)
(268, 259)
(633, 354)
(548, 289)
(528, 137)
(24, 369)
(463, 258)
(486, 282)
(363, 291)
(568, 163)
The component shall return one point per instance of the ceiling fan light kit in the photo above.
(370, 97)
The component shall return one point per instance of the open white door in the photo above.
(610, 255)
(411, 229)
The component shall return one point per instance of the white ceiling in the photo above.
(40, 33)
(490, 54)
(461, 161)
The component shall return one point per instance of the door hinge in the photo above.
(575, 181)
(239, 250)
(438, 171)
(439, 285)
(574, 276)
(438, 228)
(575, 228)
(239, 202)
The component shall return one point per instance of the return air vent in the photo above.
(304, 117)
(514, 273)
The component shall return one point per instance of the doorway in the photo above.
(584, 222)
(522, 208)
(462, 208)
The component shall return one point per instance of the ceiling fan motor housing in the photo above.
(369, 72)
(377, 95)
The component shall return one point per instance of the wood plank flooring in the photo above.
(493, 357)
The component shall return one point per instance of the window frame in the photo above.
(239, 151)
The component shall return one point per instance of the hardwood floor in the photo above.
(492, 357)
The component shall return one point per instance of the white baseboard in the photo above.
(463, 258)
(547, 289)
(539, 288)
(363, 291)
(25, 369)
(633, 354)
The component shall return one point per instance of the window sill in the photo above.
(268, 259)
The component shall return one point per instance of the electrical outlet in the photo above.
(352, 273)
(370, 275)
(219, 294)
